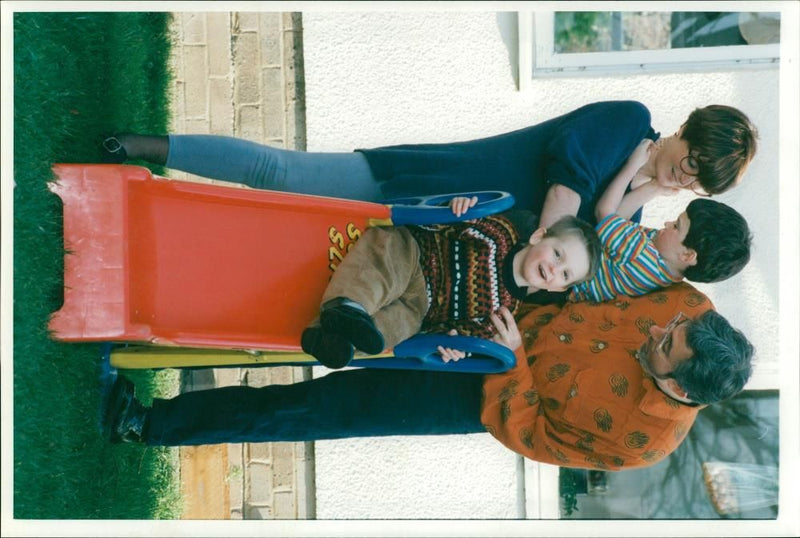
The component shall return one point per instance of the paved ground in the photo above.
(241, 74)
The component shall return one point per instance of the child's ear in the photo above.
(689, 256)
(537, 236)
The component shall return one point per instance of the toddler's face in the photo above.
(669, 239)
(555, 263)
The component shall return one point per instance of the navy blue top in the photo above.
(583, 150)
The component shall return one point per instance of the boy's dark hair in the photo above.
(721, 361)
(725, 142)
(721, 238)
(571, 225)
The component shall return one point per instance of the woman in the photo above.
(557, 167)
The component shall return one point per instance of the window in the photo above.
(617, 42)
(726, 468)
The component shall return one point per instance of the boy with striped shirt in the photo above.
(708, 242)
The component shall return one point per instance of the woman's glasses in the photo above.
(690, 167)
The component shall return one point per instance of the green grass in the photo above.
(77, 76)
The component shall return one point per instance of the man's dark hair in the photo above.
(724, 140)
(571, 225)
(721, 363)
(720, 236)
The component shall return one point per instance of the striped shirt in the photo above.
(630, 264)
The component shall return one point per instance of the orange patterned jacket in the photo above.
(578, 397)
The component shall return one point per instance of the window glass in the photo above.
(727, 467)
(601, 43)
(607, 31)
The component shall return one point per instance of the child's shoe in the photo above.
(352, 322)
(329, 349)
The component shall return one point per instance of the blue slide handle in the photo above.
(435, 209)
(419, 353)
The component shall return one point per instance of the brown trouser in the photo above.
(382, 273)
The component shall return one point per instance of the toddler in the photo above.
(399, 281)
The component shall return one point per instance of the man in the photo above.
(614, 385)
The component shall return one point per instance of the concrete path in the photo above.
(240, 74)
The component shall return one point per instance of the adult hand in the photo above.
(460, 204)
(507, 330)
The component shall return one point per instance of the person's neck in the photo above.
(648, 171)
(676, 269)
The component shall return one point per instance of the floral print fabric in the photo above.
(578, 397)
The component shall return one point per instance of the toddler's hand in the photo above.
(661, 190)
(449, 354)
(641, 154)
(460, 204)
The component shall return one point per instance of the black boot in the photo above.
(125, 418)
(113, 152)
(350, 320)
(329, 349)
(126, 146)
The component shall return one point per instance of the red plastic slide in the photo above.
(180, 264)
(192, 264)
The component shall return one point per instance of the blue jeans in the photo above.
(363, 402)
(340, 175)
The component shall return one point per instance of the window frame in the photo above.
(538, 59)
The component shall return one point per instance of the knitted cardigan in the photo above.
(468, 273)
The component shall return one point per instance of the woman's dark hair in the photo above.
(721, 362)
(721, 238)
(724, 141)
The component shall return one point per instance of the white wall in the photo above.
(384, 78)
